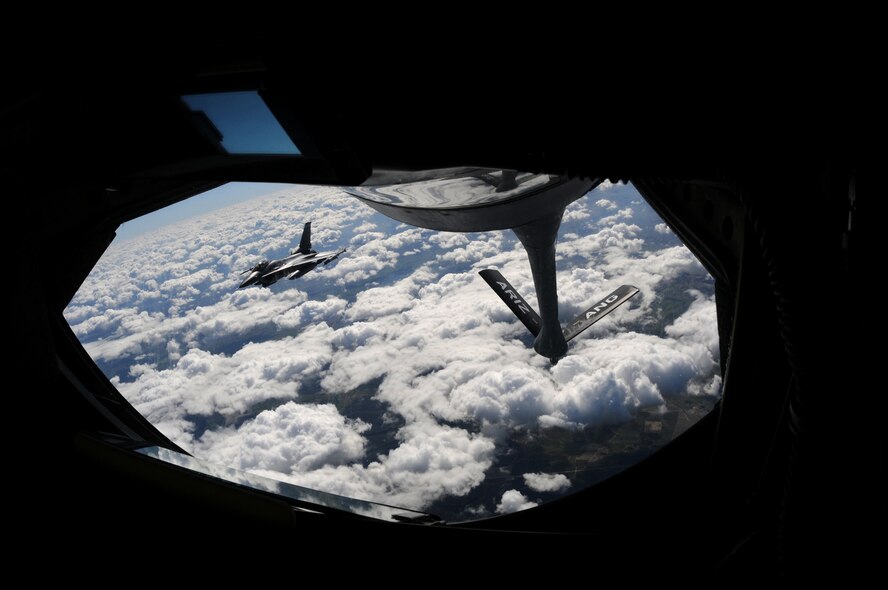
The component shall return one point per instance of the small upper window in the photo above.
(244, 122)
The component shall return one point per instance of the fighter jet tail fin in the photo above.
(513, 300)
(598, 311)
(305, 242)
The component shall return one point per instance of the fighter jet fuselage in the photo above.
(301, 261)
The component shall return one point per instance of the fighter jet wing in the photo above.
(335, 256)
(289, 267)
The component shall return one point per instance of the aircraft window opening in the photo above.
(243, 123)
(366, 358)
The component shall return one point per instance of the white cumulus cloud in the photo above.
(513, 501)
(546, 482)
(292, 438)
(432, 461)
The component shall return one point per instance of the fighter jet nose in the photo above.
(550, 343)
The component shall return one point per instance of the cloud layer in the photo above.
(546, 482)
(271, 380)
(513, 501)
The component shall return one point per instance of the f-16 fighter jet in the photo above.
(301, 261)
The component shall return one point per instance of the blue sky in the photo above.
(244, 122)
(228, 194)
